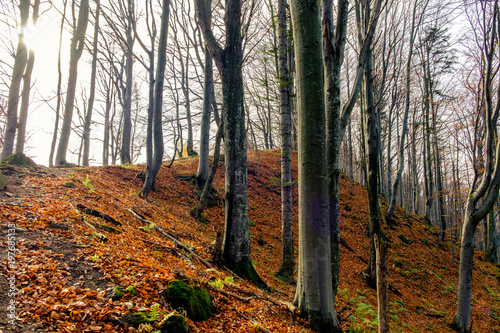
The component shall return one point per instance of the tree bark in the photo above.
(236, 252)
(127, 93)
(287, 268)
(25, 97)
(153, 166)
(59, 97)
(202, 173)
(90, 107)
(17, 75)
(77, 44)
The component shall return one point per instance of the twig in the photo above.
(173, 239)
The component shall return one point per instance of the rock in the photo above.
(19, 159)
(3, 181)
(175, 323)
(195, 300)
(135, 319)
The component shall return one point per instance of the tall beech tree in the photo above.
(17, 76)
(485, 187)
(93, 75)
(318, 96)
(208, 93)
(155, 153)
(25, 97)
(77, 45)
(287, 268)
(229, 61)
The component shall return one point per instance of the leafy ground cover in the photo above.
(69, 262)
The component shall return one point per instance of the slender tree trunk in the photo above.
(127, 94)
(25, 101)
(202, 173)
(105, 142)
(372, 144)
(59, 97)
(25, 98)
(401, 157)
(93, 75)
(207, 185)
(77, 44)
(17, 76)
(287, 267)
(153, 167)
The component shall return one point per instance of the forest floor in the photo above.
(67, 262)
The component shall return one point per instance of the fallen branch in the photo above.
(98, 234)
(170, 237)
(97, 213)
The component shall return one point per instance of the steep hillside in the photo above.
(69, 258)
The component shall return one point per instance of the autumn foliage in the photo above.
(68, 262)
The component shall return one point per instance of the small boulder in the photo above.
(175, 323)
(19, 159)
(135, 319)
(195, 300)
(3, 181)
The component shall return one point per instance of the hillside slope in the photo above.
(68, 261)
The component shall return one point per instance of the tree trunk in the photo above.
(202, 173)
(77, 44)
(207, 185)
(25, 101)
(153, 167)
(382, 247)
(105, 142)
(125, 157)
(90, 107)
(401, 157)
(314, 295)
(59, 81)
(17, 75)
(236, 249)
(287, 268)
(372, 144)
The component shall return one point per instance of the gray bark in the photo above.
(154, 164)
(25, 97)
(287, 268)
(17, 75)
(77, 44)
(314, 295)
(229, 60)
(88, 116)
(59, 81)
(202, 173)
(127, 93)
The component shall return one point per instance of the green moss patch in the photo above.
(19, 159)
(175, 323)
(195, 300)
